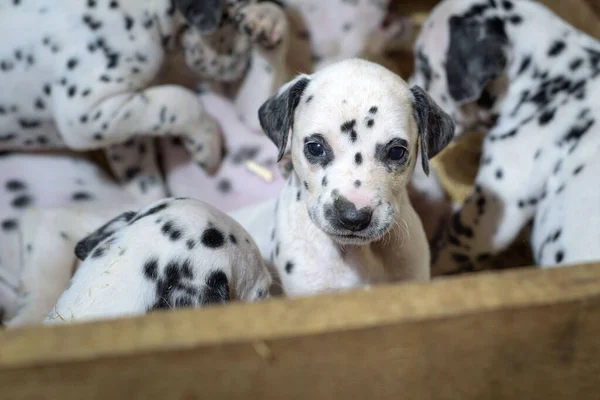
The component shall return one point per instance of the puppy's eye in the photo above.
(315, 149)
(397, 153)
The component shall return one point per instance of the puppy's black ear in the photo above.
(476, 55)
(87, 244)
(277, 113)
(436, 127)
(205, 15)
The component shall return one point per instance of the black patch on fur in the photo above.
(277, 112)
(475, 55)
(358, 159)
(9, 225)
(436, 128)
(348, 128)
(217, 288)
(289, 267)
(557, 48)
(212, 238)
(87, 244)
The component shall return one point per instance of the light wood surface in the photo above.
(520, 334)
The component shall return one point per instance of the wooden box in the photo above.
(518, 334)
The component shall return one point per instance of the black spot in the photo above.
(305, 185)
(232, 239)
(9, 224)
(151, 269)
(81, 196)
(557, 47)
(357, 183)
(289, 267)
(348, 128)
(560, 255)
(575, 64)
(190, 244)
(358, 159)
(499, 174)
(47, 89)
(72, 63)
(308, 99)
(217, 288)
(370, 123)
(21, 201)
(373, 110)
(507, 4)
(324, 181)
(14, 185)
(298, 195)
(99, 252)
(577, 170)
(39, 104)
(29, 124)
(91, 23)
(524, 65)
(113, 4)
(224, 186)
(547, 116)
(212, 238)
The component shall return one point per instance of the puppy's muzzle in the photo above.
(346, 216)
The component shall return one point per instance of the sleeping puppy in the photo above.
(173, 253)
(343, 218)
(517, 71)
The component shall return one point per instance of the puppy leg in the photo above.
(487, 223)
(157, 111)
(135, 166)
(267, 25)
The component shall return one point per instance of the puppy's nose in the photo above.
(349, 217)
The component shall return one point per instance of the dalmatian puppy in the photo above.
(343, 218)
(171, 254)
(530, 79)
(31, 181)
(88, 79)
(247, 175)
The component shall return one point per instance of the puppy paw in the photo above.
(265, 23)
(206, 145)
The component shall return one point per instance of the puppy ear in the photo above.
(87, 244)
(476, 55)
(204, 15)
(436, 127)
(277, 113)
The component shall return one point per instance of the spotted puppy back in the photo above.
(175, 253)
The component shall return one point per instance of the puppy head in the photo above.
(459, 54)
(204, 15)
(356, 130)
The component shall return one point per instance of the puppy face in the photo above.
(461, 54)
(357, 130)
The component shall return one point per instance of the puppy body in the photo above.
(531, 81)
(174, 253)
(343, 218)
(36, 181)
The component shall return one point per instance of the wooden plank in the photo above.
(521, 334)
